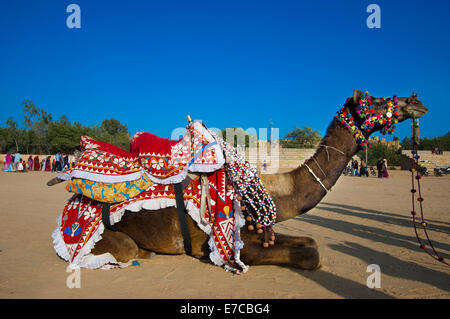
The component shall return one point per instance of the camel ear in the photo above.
(357, 95)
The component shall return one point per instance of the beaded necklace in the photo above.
(249, 186)
(370, 121)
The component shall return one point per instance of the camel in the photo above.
(294, 193)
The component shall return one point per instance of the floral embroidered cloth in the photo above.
(109, 192)
(141, 179)
(80, 225)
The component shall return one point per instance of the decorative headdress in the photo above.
(369, 120)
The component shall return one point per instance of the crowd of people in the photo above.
(59, 163)
(437, 151)
(361, 169)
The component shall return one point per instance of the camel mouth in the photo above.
(416, 110)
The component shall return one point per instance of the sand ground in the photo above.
(362, 221)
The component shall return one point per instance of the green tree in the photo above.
(304, 137)
(379, 151)
(13, 132)
(37, 120)
(113, 132)
(429, 143)
(239, 136)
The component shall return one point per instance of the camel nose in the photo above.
(417, 109)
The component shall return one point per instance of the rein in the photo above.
(415, 169)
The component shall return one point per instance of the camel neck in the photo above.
(298, 191)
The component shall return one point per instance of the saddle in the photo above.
(163, 161)
(110, 175)
(190, 174)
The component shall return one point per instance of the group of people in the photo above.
(356, 169)
(437, 151)
(15, 163)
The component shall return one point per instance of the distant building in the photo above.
(395, 143)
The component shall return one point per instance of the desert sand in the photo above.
(362, 221)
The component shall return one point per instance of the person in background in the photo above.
(30, 163)
(363, 170)
(47, 164)
(8, 163)
(37, 165)
(20, 167)
(66, 163)
(58, 162)
(385, 173)
(380, 168)
(17, 158)
(355, 168)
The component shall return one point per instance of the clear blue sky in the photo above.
(229, 63)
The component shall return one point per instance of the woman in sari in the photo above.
(385, 173)
(47, 164)
(30, 163)
(7, 167)
(37, 164)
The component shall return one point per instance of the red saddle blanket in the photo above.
(163, 161)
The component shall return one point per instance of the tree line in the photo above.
(429, 143)
(43, 135)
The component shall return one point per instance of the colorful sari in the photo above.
(37, 164)
(384, 172)
(7, 167)
(47, 164)
(30, 163)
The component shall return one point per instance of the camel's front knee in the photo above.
(118, 244)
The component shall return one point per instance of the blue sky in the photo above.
(229, 63)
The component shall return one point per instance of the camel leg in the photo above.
(295, 241)
(299, 257)
(118, 244)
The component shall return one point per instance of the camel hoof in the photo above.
(145, 254)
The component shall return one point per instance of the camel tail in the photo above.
(54, 181)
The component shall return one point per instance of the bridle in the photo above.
(363, 120)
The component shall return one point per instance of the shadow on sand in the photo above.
(389, 264)
(343, 287)
(374, 233)
(390, 218)
(395, 267)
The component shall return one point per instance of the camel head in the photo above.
(363, 114)
(407, 106)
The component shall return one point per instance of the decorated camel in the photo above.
(231, 224)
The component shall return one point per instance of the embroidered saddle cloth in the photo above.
(163, 161)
